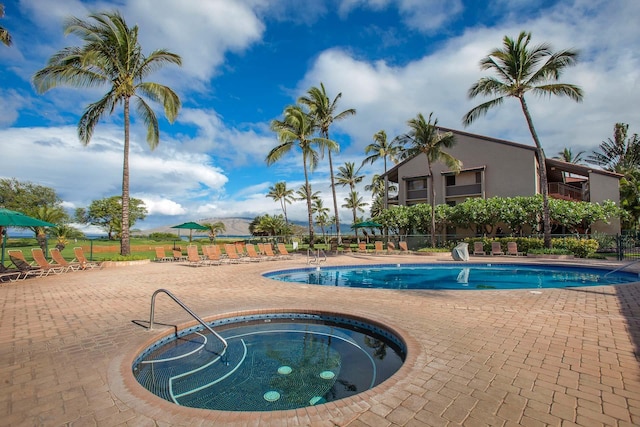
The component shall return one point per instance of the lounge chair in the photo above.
(46, 266)
(232, 255)
(82, 259)
(212, 255)
(271, 255)
(282, 249)
(391, 248)
(193, 257)
(403, 248)
(478, 248)
(178, 256)
(512, 249)
(26, 269)
(161, 256)
(378, 248)
(57, 257)
(253, 255)
(496, 248)
(362, 247)
(10, 274)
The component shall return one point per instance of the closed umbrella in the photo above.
(9, 218)
(191, 226)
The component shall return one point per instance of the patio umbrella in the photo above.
(367, 224)
(191, 226)
(9, 218)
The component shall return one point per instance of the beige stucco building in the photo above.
(493, 167)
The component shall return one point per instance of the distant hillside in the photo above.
(234, 227)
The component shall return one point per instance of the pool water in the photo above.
(454, 276)
(271, 363)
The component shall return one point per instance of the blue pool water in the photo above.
(272, 362)
(454, 276)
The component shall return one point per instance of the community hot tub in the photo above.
(273, 361)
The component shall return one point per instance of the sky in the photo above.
(244, 61)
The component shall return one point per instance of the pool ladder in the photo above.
(315, 257)
(622, 267)
(187, 309)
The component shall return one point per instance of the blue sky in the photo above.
(245, 60)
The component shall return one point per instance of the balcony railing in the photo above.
(560, 190)
(464, 190)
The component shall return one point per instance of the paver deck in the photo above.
(560, 357)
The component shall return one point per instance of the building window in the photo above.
(417, 189)
(478, 177)
(451, 180)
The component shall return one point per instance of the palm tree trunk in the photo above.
(125, 248)
(542, 172)
(431, 183)
(309, 210)
(333, 192)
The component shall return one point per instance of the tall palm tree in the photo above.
(521, 69)
(356, 204)
(301, 194)
(425, 138)
(322, 215)
(280, 193)
(383, 149)
(298, 126)
(348, 175)
(324, 113)
(111, 55)
(214, 228)
(622, 154)
(5, 37)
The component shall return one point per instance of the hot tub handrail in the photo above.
(187, 309)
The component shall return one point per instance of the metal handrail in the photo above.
(316, 257)
(622, 267)
(187, 309)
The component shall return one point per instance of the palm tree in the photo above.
(382, 149)
(280, 192)
(356, 204)
(425, 138)
(323, 112)
(111, 55)
(322, 215)
(621, 155)
(348, 175)
(298, 126)
(5, 37)
(566, 155)
(214, 228)
(520, 70)
(301, 194)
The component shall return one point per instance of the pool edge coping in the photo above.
(126, 388)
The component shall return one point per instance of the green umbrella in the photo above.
(191, 226)
(367, 224)
(9, 218)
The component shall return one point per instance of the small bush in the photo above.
(581, 248)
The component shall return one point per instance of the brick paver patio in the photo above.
(559, 357)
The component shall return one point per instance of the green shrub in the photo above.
(581, 248)
(125, 258)
(163, 236)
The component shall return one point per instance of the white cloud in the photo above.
(160, 206)
(387, 96)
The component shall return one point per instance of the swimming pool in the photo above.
(458, 276)
(273, 361)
